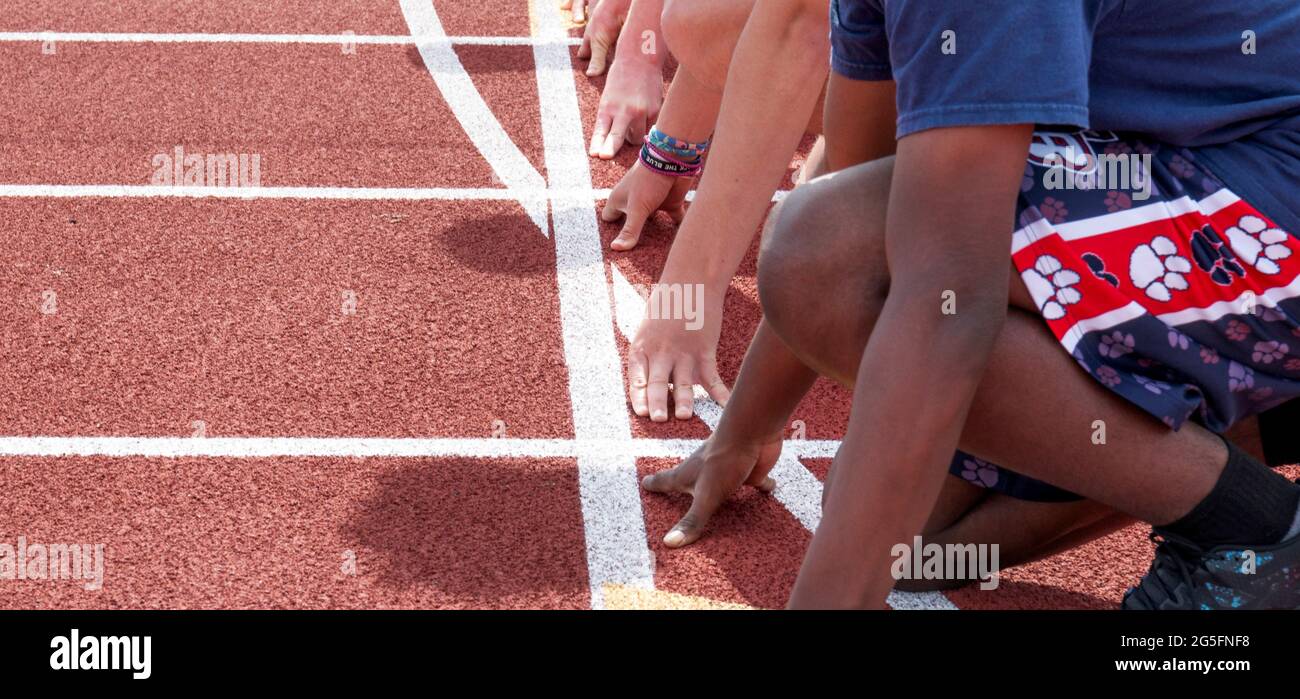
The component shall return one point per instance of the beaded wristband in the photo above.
(684, 149)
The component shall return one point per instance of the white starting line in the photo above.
(149, 191)
(369, 447)
(341, 38)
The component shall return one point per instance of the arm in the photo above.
(634, 91)
(859, 121)
(950, 204)
(690, 110)
(776, 74)
(772, 86)
(772, 380)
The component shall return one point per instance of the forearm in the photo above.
(771, 383)
(690, 108)
(776, 74)
(634, 44)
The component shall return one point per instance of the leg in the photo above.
(830, 245)
(1024, 531)
(703, 35)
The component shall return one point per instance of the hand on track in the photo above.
(638, 196)
(710, 476)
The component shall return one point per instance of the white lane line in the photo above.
(797, 489)
(360, 447)
(342, 38)
(629, 304)
(920, 601)
(617, 549)
(577, 195)
(480, 124)
(537, 194)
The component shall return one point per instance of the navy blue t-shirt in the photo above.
(1219, 76)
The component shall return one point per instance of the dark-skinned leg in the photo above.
(818, 298)
(1024, 531)
(963, 513)
(1027, 531)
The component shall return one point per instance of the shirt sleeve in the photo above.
(859, 46)
(967, 63)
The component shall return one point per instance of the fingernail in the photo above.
(683, 413)
(675, 538)
(659, 416)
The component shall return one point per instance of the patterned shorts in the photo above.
(1169, 289)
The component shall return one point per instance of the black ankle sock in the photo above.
(1250, 504)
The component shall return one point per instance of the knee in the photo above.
(700, 38)
(783, 264)
(809, 263)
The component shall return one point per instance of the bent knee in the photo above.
(815, 247)
(703, 35)
(782, 263)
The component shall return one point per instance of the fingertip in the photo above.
(612, 143)
(626, 240)
(659, 415)
(639, 406)
(768, 485)
(675, 538)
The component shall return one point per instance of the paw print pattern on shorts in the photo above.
(1215, 257)
(1116, 345)
(1158, 269)
(1256, 243)
(1052, 286)
(1240, 377)
(979, 472)
(1098, 267)
(1269, 351)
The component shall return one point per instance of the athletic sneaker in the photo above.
(1183, 576)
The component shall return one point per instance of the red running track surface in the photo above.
(177, 321)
